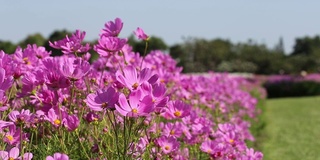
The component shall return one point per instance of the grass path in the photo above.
(293, 129)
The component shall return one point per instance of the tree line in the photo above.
(219, 55)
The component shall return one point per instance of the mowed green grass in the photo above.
(292, 129)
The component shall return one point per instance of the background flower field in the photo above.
(121, 105)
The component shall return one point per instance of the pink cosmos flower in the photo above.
(107, 46)
(39, 52)
(251, 154)
(158, 93)
(102, 99)
(141, 35)
(208, 146)
(131, 79)
(58, 156)
(92, 117)
(55, 81)
(177, 109)
(172, 129)
(20, 117)
(3, 101)
(5, 81)
(14, 154)
(74, 68)
(112, 29)
(5, 124)
(136, 105)
(12, 136)
(72, 44)
(71, 122)
(54, 118)
(167, 144)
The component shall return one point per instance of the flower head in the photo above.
(14, 154)
(108, 46)
(136, 105)
(71, 122)
(167, 144)
(177, 109)
(131, 79)
(72, 44)
(102, 99)
(74, 68)
(112, 29)
(5, 81)
(58, 156)
(141, 35)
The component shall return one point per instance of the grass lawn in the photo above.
(292, 129)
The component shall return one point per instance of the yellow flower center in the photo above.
(135, 85)
(11, 158)
(104, 105)
(172, 132)
(57, 122)
(231, 141)
(166, 147)
(26, 61)
(177, 113)
(9, 137)
(134, 111)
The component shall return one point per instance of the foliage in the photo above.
(291, 85)
(201, 55)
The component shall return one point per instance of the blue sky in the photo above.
(238, 21)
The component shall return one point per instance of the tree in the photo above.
(306, 46)
(154, 43)
(37, 39)
(7, 47)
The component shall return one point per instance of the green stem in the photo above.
(84, 150)
(115, 132)
(144, 54)
(124, 137)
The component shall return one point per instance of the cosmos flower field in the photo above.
(121, 106)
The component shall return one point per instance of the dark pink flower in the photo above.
(54, 117)
(71, 122)
(39, 52)
(72, 44)
(56, 81)
(92, 117)
(13, 154)
(5, 81)
(21, 117)
(5, 124)
(74, 68)
(3, 101)
(112, 29)
(158, 93)
(208, 146)
(172, 129)
(178, 109)
(102, 99)
(136, 105)
(107, 46)
(141, 35)
(131, 79)
(13, 135)
(167, 144)
(251, 154)
(58, 156)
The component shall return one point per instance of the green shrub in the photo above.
(292, 89)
